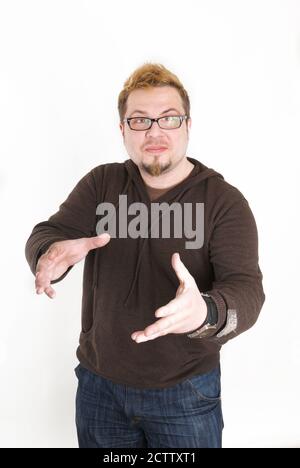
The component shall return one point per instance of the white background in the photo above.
(62, 65)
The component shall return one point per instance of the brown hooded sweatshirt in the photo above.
(125, 281)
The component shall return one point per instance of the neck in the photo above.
(169, 178)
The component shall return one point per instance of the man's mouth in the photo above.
(155, 149)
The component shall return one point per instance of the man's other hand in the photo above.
(60, 256)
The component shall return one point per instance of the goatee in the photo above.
(155, 169)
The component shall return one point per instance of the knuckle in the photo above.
(42, 262)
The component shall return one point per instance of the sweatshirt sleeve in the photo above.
(237, 287)
(75, 218)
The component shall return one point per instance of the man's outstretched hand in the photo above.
(183, 314)
(60, 256)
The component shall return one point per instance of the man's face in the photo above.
(156, 150)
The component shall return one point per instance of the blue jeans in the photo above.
(113, 415)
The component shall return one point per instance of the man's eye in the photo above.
(169, 118)
(140, 120)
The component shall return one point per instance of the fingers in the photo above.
(50, 292)
(169, 320)
(42, 284)
(170, 317)
(181, 270)
(163, 326)
(98, 241)
(159, 328)
(175, 305)
(140, 337)
(60, 256)
(44, 271)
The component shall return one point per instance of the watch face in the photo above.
(203, 331)
(206, 330)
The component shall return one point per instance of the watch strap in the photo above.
(210, 321)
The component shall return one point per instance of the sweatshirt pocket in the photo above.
(89, 310)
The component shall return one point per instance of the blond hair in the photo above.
(151, 75)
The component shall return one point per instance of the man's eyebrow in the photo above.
(137, 111)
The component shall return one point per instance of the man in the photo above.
(157, 306)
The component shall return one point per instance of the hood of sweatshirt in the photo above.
(199, 174)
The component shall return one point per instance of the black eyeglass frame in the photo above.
(181, 117)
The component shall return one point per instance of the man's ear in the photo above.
(188, 126)
(122, 129)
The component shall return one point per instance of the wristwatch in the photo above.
(210, 323)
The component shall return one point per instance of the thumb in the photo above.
(181, 270)
(98, 241)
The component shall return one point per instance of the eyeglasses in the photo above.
(169, 122)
